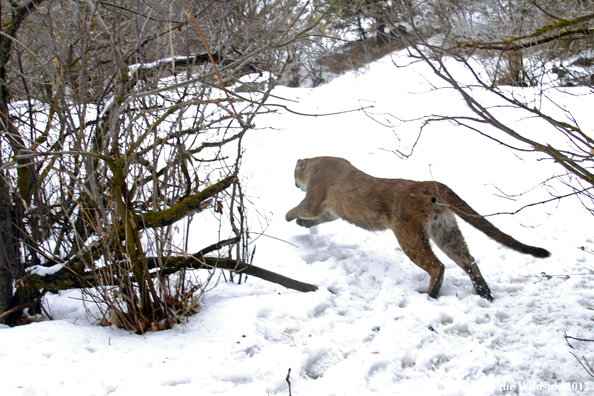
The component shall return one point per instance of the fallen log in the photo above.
(64, 277)
(239, 267)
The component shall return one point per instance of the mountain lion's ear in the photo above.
(300, 165)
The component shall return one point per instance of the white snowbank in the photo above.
(370, 329)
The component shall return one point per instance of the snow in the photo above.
(44, 271)
(370, 328)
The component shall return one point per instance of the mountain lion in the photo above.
(414, 211)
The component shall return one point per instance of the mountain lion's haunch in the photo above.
(414, 211)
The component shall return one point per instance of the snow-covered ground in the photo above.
(370, 328)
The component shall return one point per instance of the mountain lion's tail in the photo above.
(463, 210)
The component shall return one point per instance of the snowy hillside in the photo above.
(370, 328)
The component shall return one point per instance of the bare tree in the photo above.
(24, 182)
(121, 123)
(523, 44)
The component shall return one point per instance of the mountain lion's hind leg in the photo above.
(417, 247)
(444, 231)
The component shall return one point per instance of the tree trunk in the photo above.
(6, 251)
(381, 38)
(9, 267)
(515, 68)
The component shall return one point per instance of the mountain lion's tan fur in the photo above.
(415, 211)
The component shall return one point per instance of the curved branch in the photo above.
(66, 278)
(235, 266)
(485, 116)
(19, 15)
(541, 202)
(505, 46)
(509, 45)
(184, 207)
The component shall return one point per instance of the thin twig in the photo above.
(289, 381)
(270, 236)
(588, 367)
(578, 339)
(214, 65)
(541, 202)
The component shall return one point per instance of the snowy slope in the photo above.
(370, 328)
